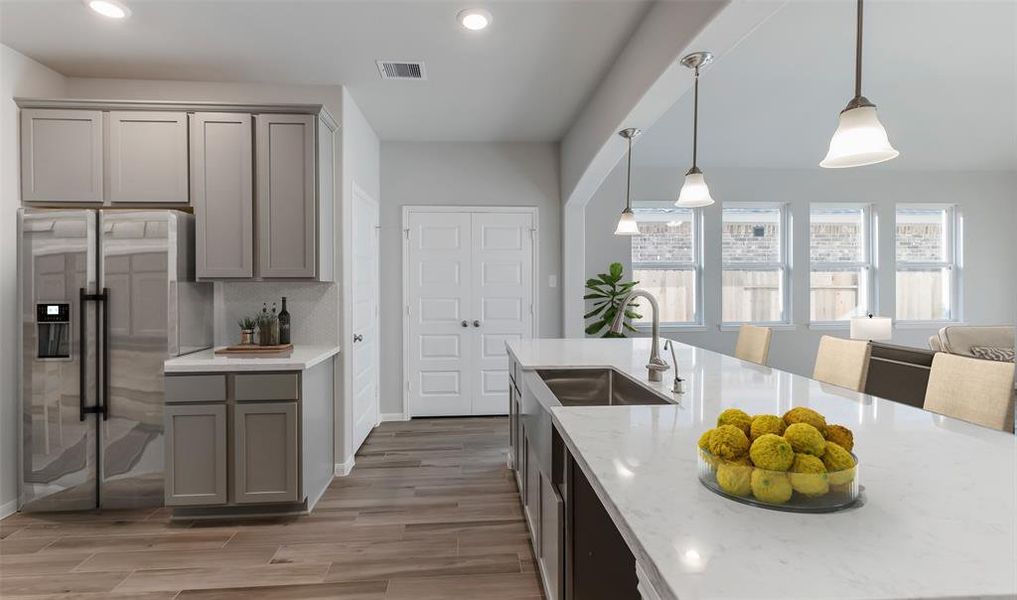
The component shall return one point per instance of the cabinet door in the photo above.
(552, 519)
(147, 157)
(195, 454)
(222, 194)
(265, 452)
(61, 155)
(287, 212)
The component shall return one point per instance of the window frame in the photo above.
(696, 264)
(951, 262)
(783, 263)
(866, 266)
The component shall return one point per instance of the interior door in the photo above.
(366, 327)
(437, 278)
(59, 470)
(502, 290)
(469, 279)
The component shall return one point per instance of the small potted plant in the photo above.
(247, 325)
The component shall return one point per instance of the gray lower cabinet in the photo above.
(265, 452)
(196, 454)
(61, 155)
(223, 195)
(552, 522)
(146, 158)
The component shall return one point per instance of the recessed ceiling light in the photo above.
(474, 19)
(109, 8)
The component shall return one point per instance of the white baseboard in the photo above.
(8, 509)
(343, 469)
(393, 417)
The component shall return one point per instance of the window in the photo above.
(927, 270)
(840, 251)
(755, 271)
(666, 262)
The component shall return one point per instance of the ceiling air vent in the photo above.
(401, 70)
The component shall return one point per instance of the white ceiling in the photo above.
(522, 79)
(943, 75)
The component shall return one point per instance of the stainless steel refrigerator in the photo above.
(106, 297)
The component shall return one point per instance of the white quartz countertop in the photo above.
(939, 516)
(205, 361)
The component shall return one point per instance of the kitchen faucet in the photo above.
(656, 366)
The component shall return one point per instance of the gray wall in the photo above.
(466, 174)
(19, 76)
(987, 202)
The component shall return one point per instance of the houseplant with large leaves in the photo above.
(606, 292)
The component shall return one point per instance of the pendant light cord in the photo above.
(628, 178)
(695, 120)
(858, 54)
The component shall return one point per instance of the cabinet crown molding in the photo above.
(180, 106)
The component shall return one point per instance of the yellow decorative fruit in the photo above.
(763, 424)
(805, 438)
(728, 442)
(771, 487)
(737, 417)
(735, 478)
(839, 463)
(801, 414)
(841, 436)
(704, 440)
(771, 452)
(808, 475)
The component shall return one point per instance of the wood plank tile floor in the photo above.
(429, 512)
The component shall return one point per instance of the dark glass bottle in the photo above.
(284, 324)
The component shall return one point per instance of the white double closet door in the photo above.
(469, 289)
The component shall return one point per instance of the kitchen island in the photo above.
(938, 511)
(249, 436)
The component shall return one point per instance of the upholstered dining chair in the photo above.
(972, 389)
(753, 343)
(841, 362)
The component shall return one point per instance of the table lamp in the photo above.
(871, 328)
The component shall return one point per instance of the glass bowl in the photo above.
(809, 492)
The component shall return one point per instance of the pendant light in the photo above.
(627, 221)
(860, 138)
(694, 191)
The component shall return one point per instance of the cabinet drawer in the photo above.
(195, 388)
(271, 386)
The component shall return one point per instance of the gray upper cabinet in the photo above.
(287, 199)
(61, 155)
(147, 157)
(222, 194)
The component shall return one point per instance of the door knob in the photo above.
(357, 337)
(465, 324)
(476, 323)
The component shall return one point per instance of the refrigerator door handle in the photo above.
(104, 301)
(82, 353)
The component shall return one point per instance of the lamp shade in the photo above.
(694, 191)
(860, 140)
(871, 328)
(627, 224)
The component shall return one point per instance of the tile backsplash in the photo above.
(313, 307)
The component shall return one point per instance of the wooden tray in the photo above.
(254, 350)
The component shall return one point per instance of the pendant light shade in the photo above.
(694, 192)
(627, 224)
(860, 138)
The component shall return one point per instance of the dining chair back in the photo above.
(753, 343)
(972, 389)
(841, 362)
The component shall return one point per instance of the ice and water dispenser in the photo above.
(53, 320)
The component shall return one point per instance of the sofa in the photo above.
(975, 341)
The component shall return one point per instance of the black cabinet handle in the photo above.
(476, 323)
(82, 354)
(466, 323)
(357, 337)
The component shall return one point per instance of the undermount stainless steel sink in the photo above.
(596, 387)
